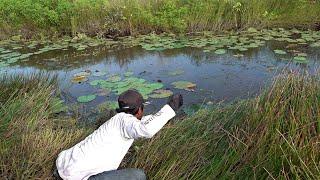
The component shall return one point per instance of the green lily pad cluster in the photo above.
(87, 98)
(118, 85)
(176, 72)
(186, 85)
(15, 50)
(161, 93)
(243, 41)
(80, 77)
(281, 52)
(159, 43)
(300, 59)
(8, 57)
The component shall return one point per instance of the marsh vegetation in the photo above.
(248, 71)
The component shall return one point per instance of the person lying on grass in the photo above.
(99, 155)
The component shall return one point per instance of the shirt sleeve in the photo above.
(148, 126)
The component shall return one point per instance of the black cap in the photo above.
(130, 100)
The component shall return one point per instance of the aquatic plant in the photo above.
(118, 85)
(186, 85)
(161, 93)
(86, 98)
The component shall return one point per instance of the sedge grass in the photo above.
(273, 136)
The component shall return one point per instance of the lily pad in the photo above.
(96, 82)
(186, 85)
(3, 64)
(242, 49)
(220, 51)
(161, 93)
(99, 73)
(238, 55)
(281, 52)
(302, 54)
(103, 92)
(82, 74)
(300, 59)
(85, 99)
(176, 72)
(128, 74)
(316, 44)
(154, 86)
(114, 78)
(79, 79)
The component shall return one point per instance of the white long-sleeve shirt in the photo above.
(105, 148)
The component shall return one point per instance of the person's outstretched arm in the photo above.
(148, 126)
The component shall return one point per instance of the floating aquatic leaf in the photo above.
(128, 74)
(134, 80)
(12, 60)
(3, 64)
(85, 99)
(96, 82)
(252, 30)
(154, 86)
(316, 44)
(17, 47)
(161, 93)
(220, 51)
(78, 79)
(107, 84)
(114, 78)
(176, 72)
(243, 49)
(186, 85)
(82, 74)
(103, 92)
(6, 51)
(300, 59)
(302, 54)
(278, 51)
(238, 55)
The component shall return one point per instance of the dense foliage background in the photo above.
(40, 18)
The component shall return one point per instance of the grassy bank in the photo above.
(275, 135)
(42, 18)
(30, 132)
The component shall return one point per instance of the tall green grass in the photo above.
(31, 135)
(40, 18)
(274, 136)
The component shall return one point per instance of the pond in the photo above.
(206, 69)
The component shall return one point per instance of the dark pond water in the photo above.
(218, 78)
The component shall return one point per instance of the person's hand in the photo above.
(175, 101)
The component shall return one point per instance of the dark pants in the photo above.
(122, 174)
